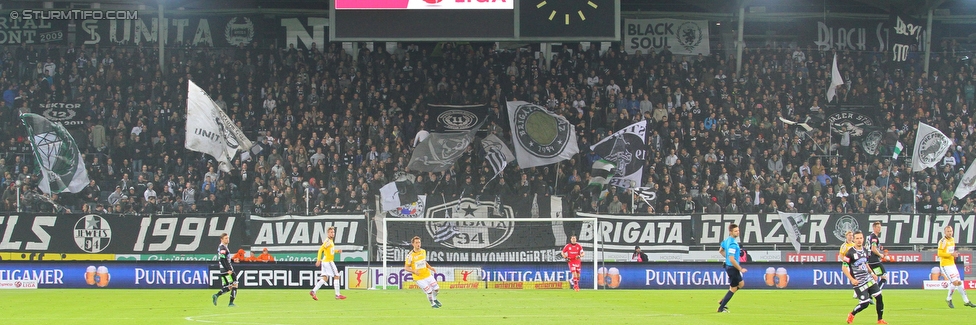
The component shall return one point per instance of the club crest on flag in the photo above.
(626, 149)
(930, 147)
(540, 133)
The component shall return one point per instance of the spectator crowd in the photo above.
(334, 127)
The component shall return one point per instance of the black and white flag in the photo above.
(440, 150)
(497, 153)
(647, 194)
(541, 137)
(627, 150)
(448, 118)
(905, 32)
(209, 130)
(396, 194)
(792, 224)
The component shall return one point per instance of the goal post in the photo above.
(482, 244)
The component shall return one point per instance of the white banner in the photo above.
(683, 36)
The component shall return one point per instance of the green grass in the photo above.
(117, 306)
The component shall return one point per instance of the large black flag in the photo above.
(447, 118)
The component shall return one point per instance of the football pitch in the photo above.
(120, 306)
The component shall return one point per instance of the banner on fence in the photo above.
(291, 233)
(116, 234)
(109, 274)
(619, 234)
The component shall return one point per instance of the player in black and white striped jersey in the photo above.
(227, 276)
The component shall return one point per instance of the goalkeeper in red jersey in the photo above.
(573, 253)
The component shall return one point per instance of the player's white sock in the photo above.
(434, 294)
(430, 297)
(962, 291)
(318, 284)
(336, 286)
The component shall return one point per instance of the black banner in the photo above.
(445, 118)
(906, 33)
(654, 234)
(118, 234)
(193, 30)
(32, 31)
(278, 276)
(307, 233)
(828, 229)
(854, 35)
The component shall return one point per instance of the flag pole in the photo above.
(888, 184)
(911, 187)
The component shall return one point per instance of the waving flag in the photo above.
(835, 80)
(209, 130)
(57, 154)
(541, 137)
(627, 150)
(930, 146)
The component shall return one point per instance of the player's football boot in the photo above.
(850, 318)
(438, 303)
(340, 297)
(970, 304)
(215, 299)
(232, 305)
(723, 310)
(314, 297)
(881, 321)
(950, 303)
(435, 306)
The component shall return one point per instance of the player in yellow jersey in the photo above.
(326, 261)
(846, 245)
(416, 264)
(947, 263)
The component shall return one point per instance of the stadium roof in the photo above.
(912, 7)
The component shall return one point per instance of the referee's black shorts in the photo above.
(735, 277)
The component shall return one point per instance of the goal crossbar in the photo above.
(595, 247)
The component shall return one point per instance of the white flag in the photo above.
(792, 222)
(930, 146)
(209, 130)
(541, 137)
(968, 182)
(835, 80)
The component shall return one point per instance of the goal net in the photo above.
(495, 253)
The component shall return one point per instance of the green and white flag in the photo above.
(603, 170)
(898, 148)
(62, 167)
